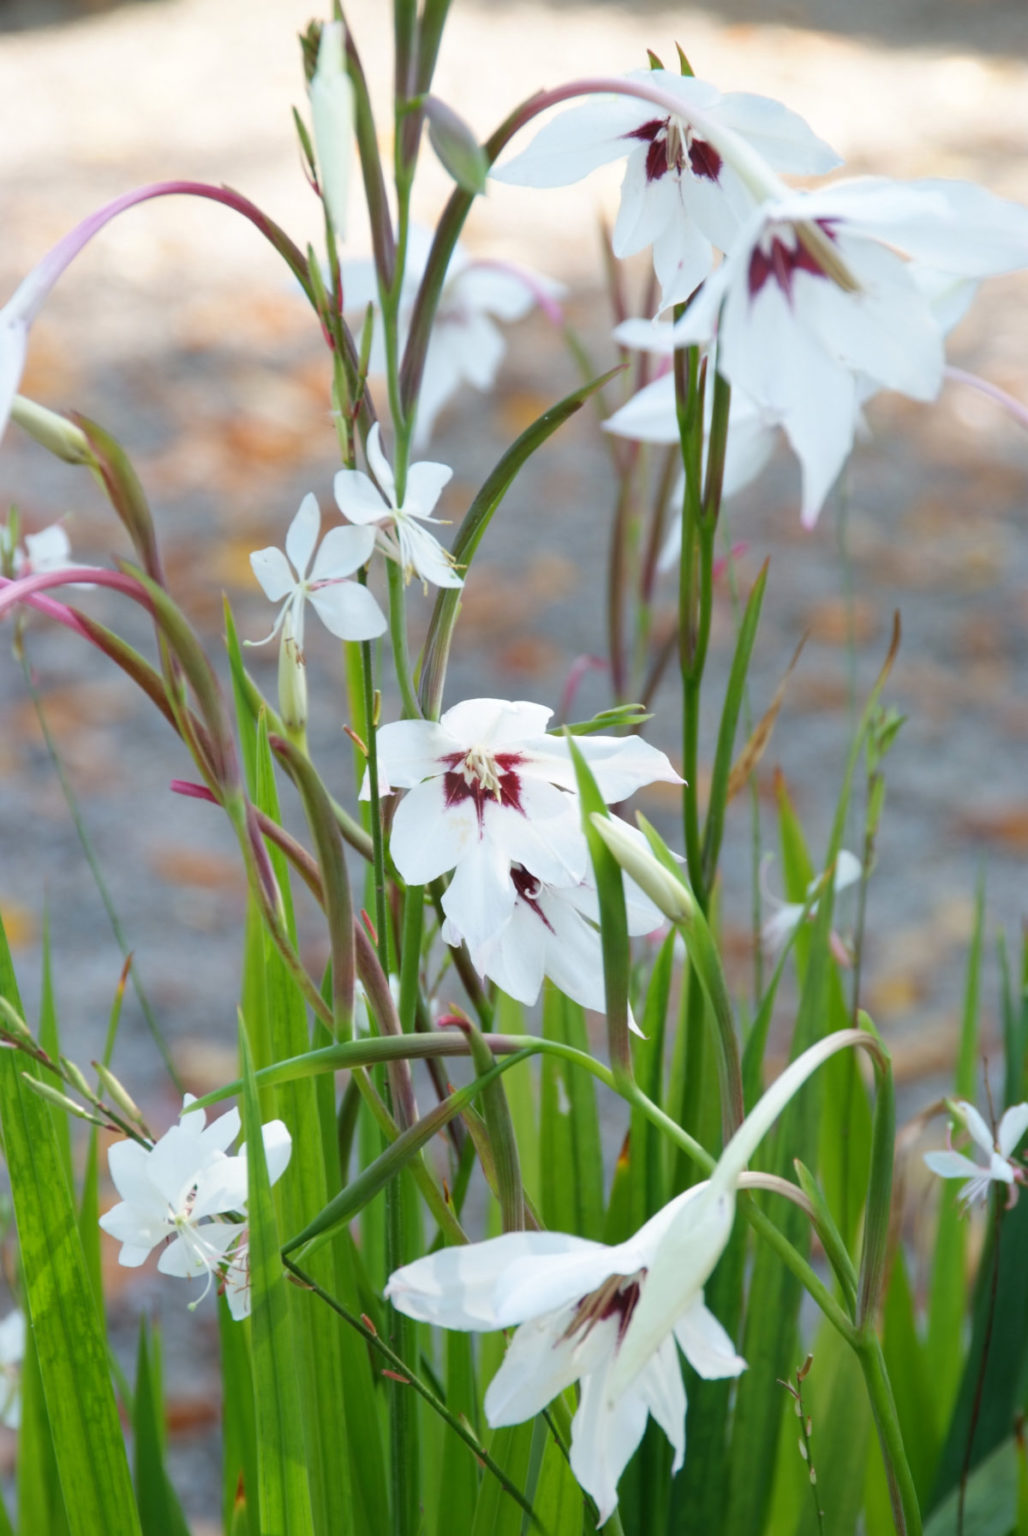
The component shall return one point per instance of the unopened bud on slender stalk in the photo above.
(61, 1100)
(663, 888)
(292, 684)
(52, 431)
(77, 1078)
(332, 116)
(118, 1093)
(12, 1023)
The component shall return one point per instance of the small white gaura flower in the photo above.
(181, 1187)
(783, 922)
(487, 789)
(611, 1318)
(399, 532)
(1000, 1167)
(12, 1353)
(331, 94)
(47, 550)
(345, 608)
(466, 345)
(680, 194)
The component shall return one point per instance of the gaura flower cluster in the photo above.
(189, 1195)
(821, 297)
(491, 797)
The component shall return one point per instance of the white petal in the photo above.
(271, 569)
(649, 416)
(429, 837)
(348, 610)
(342, 551)
(538, 1365)
(848, 870)
(425, 483)
(480, 898)
(138, 1227)
(496, 723)
(953, 225)
(621, 765)
(646, 208)
(604, 1435)
(379, 464)
(201, 1253)
(576, 142)
(216, 1137)
(14, 340)
(442, 376)
(357, 497)
(412, 750)
(574, 954)
(278, 1146)
(129, 1166)
(503, 289)
(302, 534)
(422, 552)
(513, 957)
(660, 1386)
(706, 1345)
(980, 1132)
(1011, 1128)
(682, 258)
(49, 549)
(454, 1287)
(785, 139)
(952, 1165)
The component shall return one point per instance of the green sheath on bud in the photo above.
(62, 1101)
(76, 1077)
(455, 144)
(116, 1091)
(54, 432)
(663, 888)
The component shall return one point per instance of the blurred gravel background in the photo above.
(177, 331)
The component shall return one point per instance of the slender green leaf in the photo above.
(160, 1513)
(283, 1487)
(87, 1439)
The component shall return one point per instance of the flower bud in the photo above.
(51, 430)
(332, 115)
(663, 888)
(292, 682)
(455, 144)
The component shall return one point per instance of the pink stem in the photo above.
(22, 589)
(531, 280)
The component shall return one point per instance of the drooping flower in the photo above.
(815, 306)
(466, 346)
(12, 1353)
(488, 789)
(1000, 1167)
(181, 1188)
(399, 531)
(787, 916)
(681, 193)
(344, 607)
(611, 1318)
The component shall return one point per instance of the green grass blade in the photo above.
(72, 1352)
(569, 1128)
(160, 1513)
(283, 1487)
(40, 1503)
(239, 1423)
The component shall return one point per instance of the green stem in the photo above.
(398, 637)
(377, 844)
(905, 1508)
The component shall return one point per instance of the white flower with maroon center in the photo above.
(611, 1318)
(1000, 1167)
(817, 305)
(488, 789)
(680, 194)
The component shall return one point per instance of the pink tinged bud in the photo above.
(191, 791)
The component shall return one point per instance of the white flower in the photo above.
(408, 543)
(344, 607)
(611, 1318)
(465, 346)
(550, 932)
(783, 922)
(331, 94)
(680, 194)
(1001, 1167)
(814, 308)
(12, 1353)
(180, 1187)
(488, 788)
